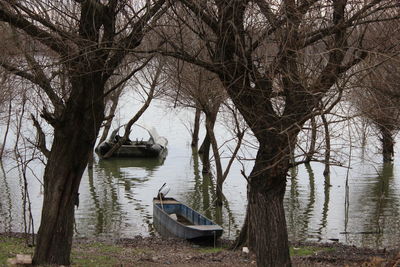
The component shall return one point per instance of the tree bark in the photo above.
(206, 143)
(266, 221)
(73, 141)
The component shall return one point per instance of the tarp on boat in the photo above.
(154, 137)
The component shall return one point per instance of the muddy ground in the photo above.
(156, 251)
(172, 252)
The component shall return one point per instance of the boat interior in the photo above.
(182, 213)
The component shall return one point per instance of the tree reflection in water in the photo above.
(116, 198)
(380, 197)
(202, 198)
(6, 207)
(292, 206)
(325, 209)
(106, 182)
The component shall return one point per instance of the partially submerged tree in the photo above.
(277, 60)
(76, 47)
(239, 131)
(377, 93)
(375, 101)
(311, 148)
(194, 87)
(197, 88)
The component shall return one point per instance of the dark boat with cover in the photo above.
(155, 146)
(172, 218)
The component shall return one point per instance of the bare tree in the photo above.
(200, 89)
(377, 98)
(151, 87)
(197, 88)
(75, 47)
(276, 60)
(239, 130)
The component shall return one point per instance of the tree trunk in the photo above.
(196, 128)
(73, 141)
(313, 140)
(2, 146)
(204, 153)
(204, 149)
(387, 144)
(218, 165)
(328, 146)
(267, 223)
(242, 239)
(91, 159)
(60, 190)
(110, 116)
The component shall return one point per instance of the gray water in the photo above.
(357, 206)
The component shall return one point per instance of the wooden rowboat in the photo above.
(171, 218)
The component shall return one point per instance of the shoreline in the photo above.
(157, 251)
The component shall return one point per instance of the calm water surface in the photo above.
(359, 206)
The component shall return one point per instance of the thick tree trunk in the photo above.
(60, 190)
(387, 144)
(266, 219)
(73, 141)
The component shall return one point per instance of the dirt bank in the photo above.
(155, 251)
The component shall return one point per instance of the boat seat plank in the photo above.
(167, 202)
(205, 227)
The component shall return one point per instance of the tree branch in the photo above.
(39, 79)
(117, 85)
(317, 35)
(41, 141)
(54, 43)
(138, 114)
(66, 36)
(199, 12)
(136, 35)
(302, 10)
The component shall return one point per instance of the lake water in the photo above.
(359, 206)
